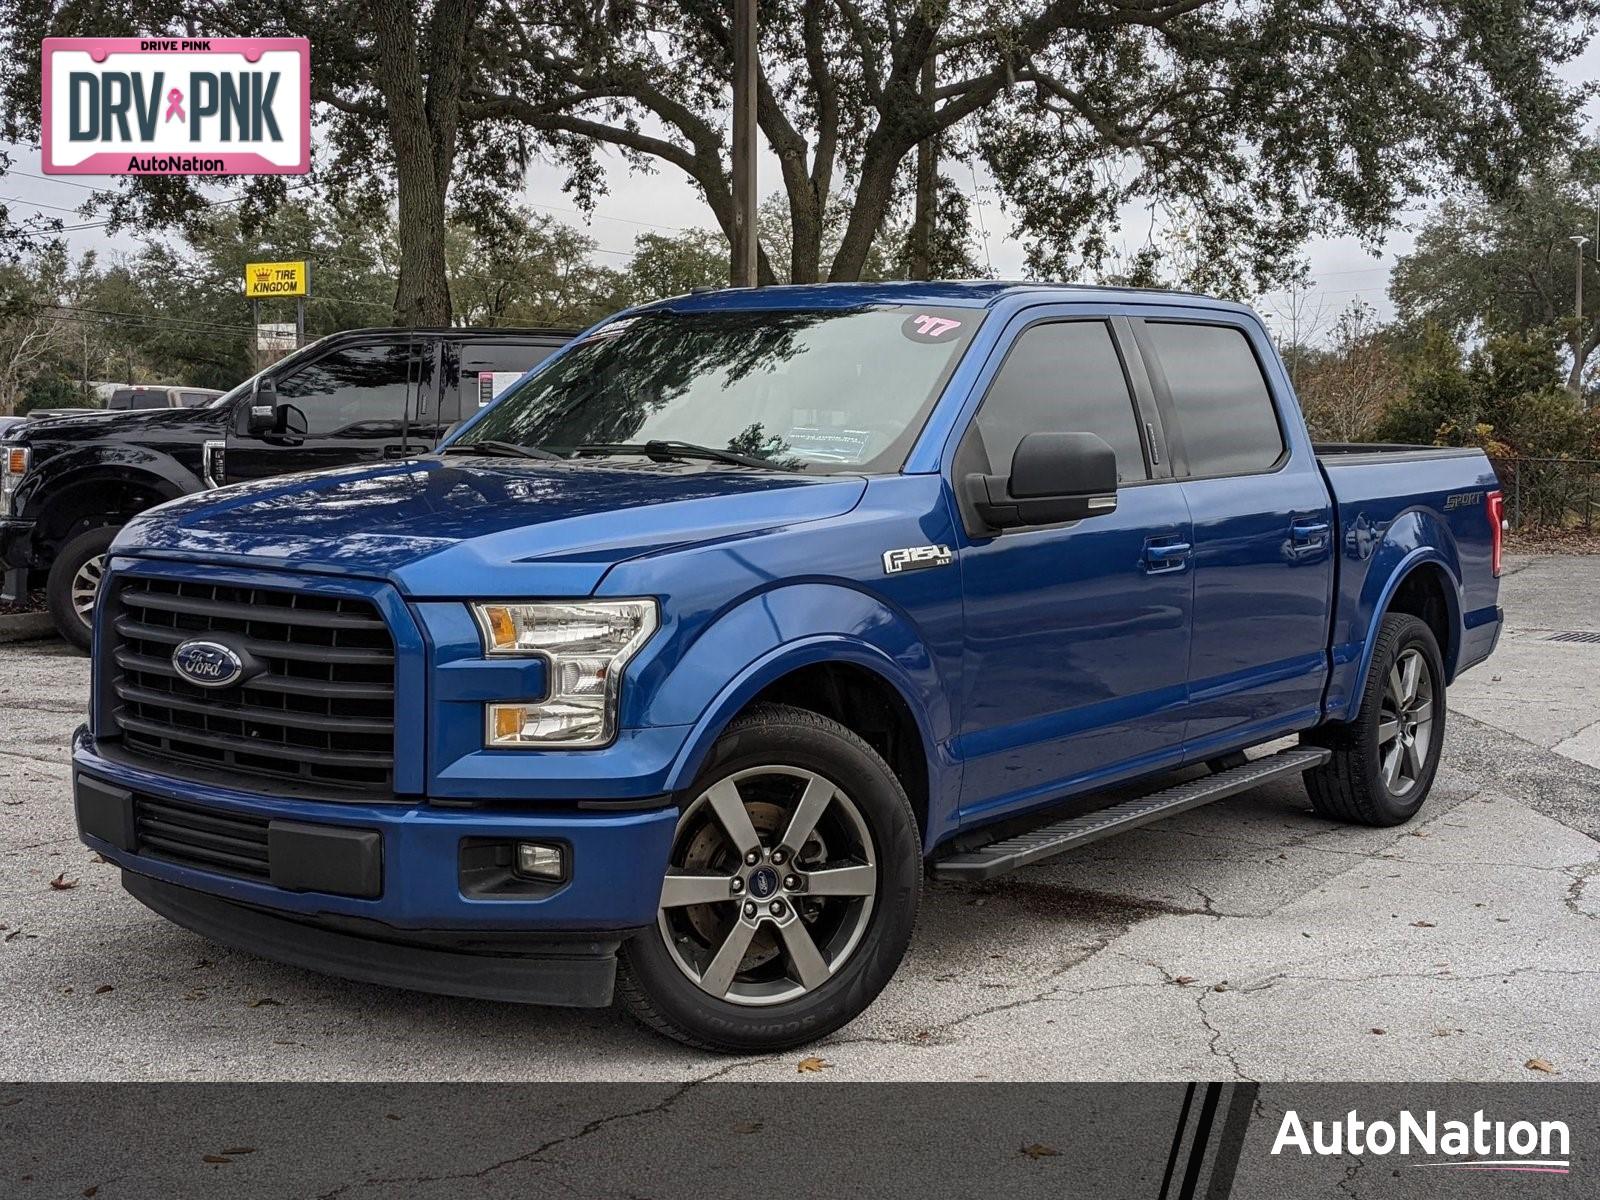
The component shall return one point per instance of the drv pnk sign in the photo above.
(177, 106)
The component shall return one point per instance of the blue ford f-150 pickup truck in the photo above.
(677, 668)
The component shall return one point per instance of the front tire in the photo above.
(1384, 761)
(74, 582)
(790, 895)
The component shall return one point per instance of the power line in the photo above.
(37, 204)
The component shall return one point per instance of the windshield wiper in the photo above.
(666, 451)
(501, 450)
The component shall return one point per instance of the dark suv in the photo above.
(68, 483)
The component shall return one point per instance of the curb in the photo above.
(26, 627)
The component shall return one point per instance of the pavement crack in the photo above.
(537, 1153)
(1581, 875)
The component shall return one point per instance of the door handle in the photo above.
(1309, 533)
(1160, 557)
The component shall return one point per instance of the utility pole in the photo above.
(1579, 241)
(743, 273)
(920, 256)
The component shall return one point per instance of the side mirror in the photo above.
(263, 412)
(1054, 477)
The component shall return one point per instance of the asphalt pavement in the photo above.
(1245, 940)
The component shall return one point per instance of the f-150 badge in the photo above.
(915, 558)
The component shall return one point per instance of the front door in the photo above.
(1077, 635)
(352, 404)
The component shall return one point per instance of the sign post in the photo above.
(275, 280)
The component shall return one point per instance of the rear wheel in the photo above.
(790, 894)
(74, 583)
(1384, 761)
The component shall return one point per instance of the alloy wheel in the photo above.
(1405, 723)
(86, 586)
(770, 887)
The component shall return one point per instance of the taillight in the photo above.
(1494, 504)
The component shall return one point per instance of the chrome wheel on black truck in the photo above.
(74, 582)
(1384, 761)
(791, 891)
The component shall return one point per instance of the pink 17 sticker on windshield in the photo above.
(927, 327)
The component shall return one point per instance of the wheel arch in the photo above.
(846, 679)
(1425, 584)
(74, 499)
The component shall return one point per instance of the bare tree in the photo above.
(1345, 388)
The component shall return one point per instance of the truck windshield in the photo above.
(830, 390)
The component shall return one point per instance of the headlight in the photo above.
(14, 464)
(587, 645)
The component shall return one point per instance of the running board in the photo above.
(1010, 853)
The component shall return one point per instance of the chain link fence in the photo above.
(1550, 493)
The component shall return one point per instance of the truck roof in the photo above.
(958, 293)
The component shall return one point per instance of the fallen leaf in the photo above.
(241, 1150)
(1422, 924)
(103, 989)
(747, 1127)
(61, 883)
(97, 857)
(264, 1001)
(1037, 1150)
(1380, 1031)
(214, 1158)
(1221, 987)
(90, 1191)
(390, 1117)
(1419, 833)
(1184, 980)
(1441, 1033)
(922, 1035)
(808, 1065)
(1541, 1064)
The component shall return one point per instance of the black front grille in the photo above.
(320, 716)
(205, 838)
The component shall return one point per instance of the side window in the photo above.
(1219, 396)
(1062, 377)
(359, 391)
(484, 370)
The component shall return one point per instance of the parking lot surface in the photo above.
(1248, 939)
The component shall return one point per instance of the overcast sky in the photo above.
(1341, 269)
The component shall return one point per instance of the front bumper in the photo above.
(576, 971)
(418, 895)
(17, 558)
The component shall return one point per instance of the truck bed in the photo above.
(1396, 507)
(1361, 452)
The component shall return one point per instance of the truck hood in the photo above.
(493, 527)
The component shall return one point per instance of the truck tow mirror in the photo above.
(264, 417)
(1054, 477)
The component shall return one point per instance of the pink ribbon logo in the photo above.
(175, 105)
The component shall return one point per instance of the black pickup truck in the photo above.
(68, 483)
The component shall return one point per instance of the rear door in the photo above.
(1263, 564)
(1077, 634)
(352, 404)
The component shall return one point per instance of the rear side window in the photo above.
(1219, 396)
(1061, 377)
(485, 369)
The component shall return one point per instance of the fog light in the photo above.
(538, 861)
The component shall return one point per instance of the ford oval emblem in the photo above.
(208, 664)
